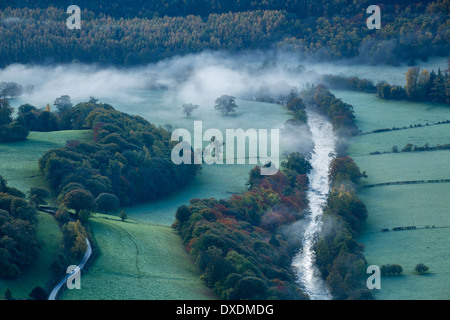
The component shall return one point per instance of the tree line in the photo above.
(241, 244)
(341, 114)
(420, 86)
(339, 256)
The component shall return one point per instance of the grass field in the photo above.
(19, 160)
(384, 141)
(19, 166)
(393, 206)
(138, 261)
(374, 113)
(405, 166)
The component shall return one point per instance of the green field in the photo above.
(373, 113)
(384, 141)
(405, 166)
(425, 206)
(19, 160)
(138, 261)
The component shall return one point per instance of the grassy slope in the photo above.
(404, 205)
(19, 165)
(19, 160)
(138, 261)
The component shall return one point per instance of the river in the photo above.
(308, 275)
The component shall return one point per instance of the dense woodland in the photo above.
(241, 245)
(144, 32)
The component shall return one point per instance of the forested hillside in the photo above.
(143, 32)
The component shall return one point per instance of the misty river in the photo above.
(324, 146)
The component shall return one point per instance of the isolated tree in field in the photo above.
(78, 200)
(421, 268)
(63, 103)
(188, 108)
(226, 104)
(123, 215)
(107, 202)
(38, 195)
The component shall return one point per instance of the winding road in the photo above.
(86, 257)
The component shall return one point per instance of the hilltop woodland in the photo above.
(141, 32)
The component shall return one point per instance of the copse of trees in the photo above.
(10, 130)
(10, 90)
(37, 120)
(391, 270)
